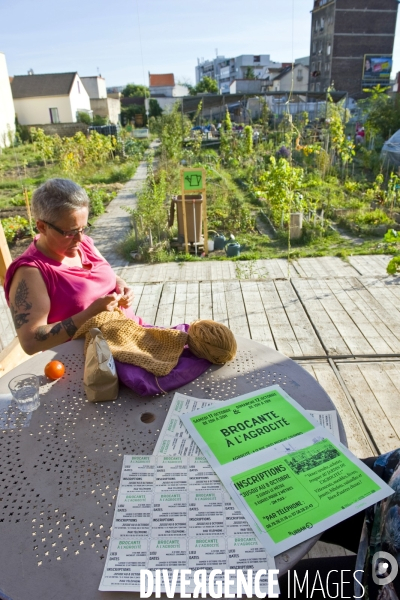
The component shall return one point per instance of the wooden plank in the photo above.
(325, 326)
(386, 393)
(260, 330)
(323, 550)
(205, 300)
(324, 266)
(342, 289)
(179, 308)
(166, 305)
(282, 332)
(148, 304)
(138, 290)
(5, 256)
(192, 302)
(303, 329)
(376, 315)
(374, 266)
(236, 309)
(377, 422)
(220, 311)
(12, 356)
(357, 441)
(348, 330)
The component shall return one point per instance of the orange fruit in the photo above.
(54, 369)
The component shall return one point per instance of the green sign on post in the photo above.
(193, 180)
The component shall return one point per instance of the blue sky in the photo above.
(125, 39)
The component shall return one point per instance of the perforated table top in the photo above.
(60, 466)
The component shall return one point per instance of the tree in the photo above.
(250, 73)
(381, 113)
(128, 113)
(155, 109)
(83, 117)
(132, 89)
(206, 85)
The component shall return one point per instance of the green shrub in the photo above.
(14, 227)
(83, 117)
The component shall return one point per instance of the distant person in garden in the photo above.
(360, 134)
(61, 280)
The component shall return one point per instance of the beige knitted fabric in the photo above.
(155, 350)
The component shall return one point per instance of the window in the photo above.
(316, 25)
(314, 47)
(317, 87)
(322, 23)
(54, 118)
(257, 58)
(328, 49)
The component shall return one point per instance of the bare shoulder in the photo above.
(27, 276)
(29, 300)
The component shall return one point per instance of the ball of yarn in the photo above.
(211, 340)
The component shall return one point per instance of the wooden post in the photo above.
(205, 226)
(5, 256)
(28, 210)
(184, 212)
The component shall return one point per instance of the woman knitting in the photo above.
(61, 280)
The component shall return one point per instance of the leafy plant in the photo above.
(14, 226)
(280, 186)
(83, 117)
(393, 266)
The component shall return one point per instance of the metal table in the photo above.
(60, 466)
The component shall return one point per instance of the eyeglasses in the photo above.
(72, 232)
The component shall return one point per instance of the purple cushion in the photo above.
(145, 384)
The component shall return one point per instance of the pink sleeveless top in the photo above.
(70, 289)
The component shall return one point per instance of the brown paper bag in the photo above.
(100, 377)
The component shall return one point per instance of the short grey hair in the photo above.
(57, 196)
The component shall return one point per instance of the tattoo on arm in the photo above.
(69, 327)
(43, 332)
(18, 317)
(19, 311)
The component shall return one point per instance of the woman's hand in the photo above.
(126, 293)
(103, 303)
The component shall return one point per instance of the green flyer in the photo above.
(289, 497)
(247, 424)
(288, 475)
(302, 489)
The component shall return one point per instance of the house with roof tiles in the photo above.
(163, 86)
(49, 98)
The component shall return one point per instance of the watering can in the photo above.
(232, 249)
(219, 242)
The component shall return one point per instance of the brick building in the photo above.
(346, 36)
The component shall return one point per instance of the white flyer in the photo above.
(173, 513)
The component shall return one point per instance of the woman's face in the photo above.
(367, 65)
(56, 242)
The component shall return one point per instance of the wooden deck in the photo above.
(339, 319)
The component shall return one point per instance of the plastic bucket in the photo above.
(210, 245)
